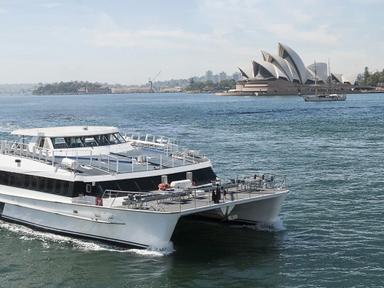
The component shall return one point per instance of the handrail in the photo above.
(159, 143)
(179, 200)
(22, 150)
(108, 163)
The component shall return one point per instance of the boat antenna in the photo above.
(315, 77)
(329, 77)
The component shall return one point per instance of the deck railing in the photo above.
(22, 150)
(179, 200)
(157, 143)
(167, 145)
(107, 163)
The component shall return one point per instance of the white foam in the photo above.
(8, 127)
(46, 238)
(277, 226)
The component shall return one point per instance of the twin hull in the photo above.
(127, 226)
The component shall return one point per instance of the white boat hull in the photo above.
(264, 210)
(143, 228)
(324, 98)
(138, 228)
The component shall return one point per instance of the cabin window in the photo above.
(33, 183)
(64, 188)
(88, 188)
(3, 178)
(83, 141)
(60, 187)
(102, 140)
(59, 143)
(26, 181)
(47, 143)
(69, 191)
(113, 139)
(57, 187)
(49, 187)
(19, 180)
(74, 142)
(41, 186)
(89, 141)
(11, 180)
(41, 143)
(119, 137)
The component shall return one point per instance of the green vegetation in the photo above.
(210, 86)
(370, 79)
(73, 87)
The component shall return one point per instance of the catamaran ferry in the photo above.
(91, 181)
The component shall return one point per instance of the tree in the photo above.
(366, 75)
(359, 79)
(371, 79)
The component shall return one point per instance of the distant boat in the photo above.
(322, 97)
(325, 97)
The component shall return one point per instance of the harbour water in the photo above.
(331, 229)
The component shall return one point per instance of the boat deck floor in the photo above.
(195, 202)
(128, 162)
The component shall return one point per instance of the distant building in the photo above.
(223, 76)
(94, 90)
(321, 70)
(285, 73)
(209, 75)
(129, 89)
(236, 76)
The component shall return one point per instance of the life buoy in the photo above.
(99, 201)
(163, 186)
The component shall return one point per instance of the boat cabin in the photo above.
(81, 140)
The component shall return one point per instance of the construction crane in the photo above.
(150, 81)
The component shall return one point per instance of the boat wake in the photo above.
(48, 239)
(156, 251)
(277, 226)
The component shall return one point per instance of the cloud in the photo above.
(269, 19)
(147, 38)
(188, 39)
(317, 35)
(109, 34)
(51, 5)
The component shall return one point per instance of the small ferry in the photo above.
(325, 97)
(91, 181)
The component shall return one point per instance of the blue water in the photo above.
(331, 231)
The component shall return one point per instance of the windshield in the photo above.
(87, 141)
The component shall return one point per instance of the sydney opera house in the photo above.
(284, 73)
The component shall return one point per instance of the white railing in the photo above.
(157, 143)
(179, 200)
(108, 163)
(23, 150)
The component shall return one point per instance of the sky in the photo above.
(128, 42)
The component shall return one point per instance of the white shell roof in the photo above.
(284, 65)
(295, 60)
(66, 131)
(272, 69)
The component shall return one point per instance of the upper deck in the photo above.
(66, 131)
(132, 154)
(196, 199)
